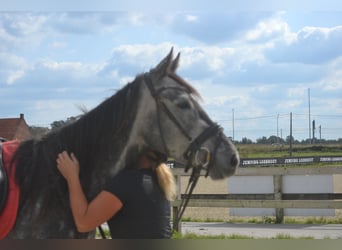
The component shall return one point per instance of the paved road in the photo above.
(331, 231)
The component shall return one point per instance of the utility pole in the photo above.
(313, 131)
(281, 134)
(233, 124)
(278, 128)
(309, 116)
(291, 134)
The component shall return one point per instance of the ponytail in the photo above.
(166, 181)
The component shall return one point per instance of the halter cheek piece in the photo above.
(195, 149)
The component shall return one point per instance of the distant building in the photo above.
(14, 128)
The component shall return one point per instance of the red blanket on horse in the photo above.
(9, 213)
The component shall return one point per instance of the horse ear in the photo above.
(163, 67)
(175, 63)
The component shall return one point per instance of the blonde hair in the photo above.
(166, 181)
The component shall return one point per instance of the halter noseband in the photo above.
(195, 148)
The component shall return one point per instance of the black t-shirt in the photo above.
(145, 213)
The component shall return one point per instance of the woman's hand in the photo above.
(68, 165)
(87, 216)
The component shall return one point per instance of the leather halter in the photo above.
(195, 147)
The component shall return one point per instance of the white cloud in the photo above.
(220, 95)
(264, 89)
(22, 24)
(333, 80)
(290, 104)
(83, 22)
(311, 45)
(12, 60)
(14, 76)
(75, 69)
(207, 61)
(21, 30)
(130, 59)
(299, 91)
(221, 100)
(137, 19)
(124, 80)
(268, 29)
(58, 45)
(12, 67)
(216, 27)
(191, 18)
(41, 109)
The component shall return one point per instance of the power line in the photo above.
(254, 118)
(338, 116)
(266, 122)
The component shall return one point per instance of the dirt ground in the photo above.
(208, 186)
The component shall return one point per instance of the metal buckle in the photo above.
(198, 160)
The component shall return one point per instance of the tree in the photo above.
(262, 140)
(61, 123)
(245, 140)
(272, 139)
(38, 131)
(288, 138)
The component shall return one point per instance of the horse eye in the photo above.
(183, 104)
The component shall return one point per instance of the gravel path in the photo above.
(330, 231)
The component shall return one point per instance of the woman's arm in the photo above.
(87, 216)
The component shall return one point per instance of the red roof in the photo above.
(14, 128)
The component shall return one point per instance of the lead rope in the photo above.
(189, 189)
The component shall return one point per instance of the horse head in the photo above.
(179, 127)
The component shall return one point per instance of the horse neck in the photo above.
(102, 138)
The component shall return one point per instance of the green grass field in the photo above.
(264, 151)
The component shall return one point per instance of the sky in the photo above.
(252, 66)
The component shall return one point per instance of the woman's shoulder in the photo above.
(120, 181)
(128, 175)
(131, 173)
(124, 173)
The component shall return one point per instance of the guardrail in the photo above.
(277, 199)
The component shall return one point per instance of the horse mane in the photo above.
(95, 138)
(185, 84)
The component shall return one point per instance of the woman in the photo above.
(135, 203)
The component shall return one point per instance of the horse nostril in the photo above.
(234, 160)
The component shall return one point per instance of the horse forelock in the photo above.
(185, 84)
